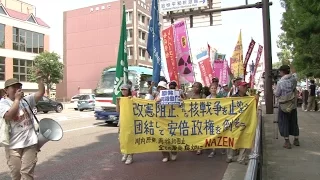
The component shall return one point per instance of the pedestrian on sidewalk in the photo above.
(125, 92)
(243, 153)
(287, 115)
(312, 97)
(22, 151)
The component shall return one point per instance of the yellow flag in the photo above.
(237, 59)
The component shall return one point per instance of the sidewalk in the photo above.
(298, 163)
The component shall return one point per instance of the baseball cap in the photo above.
(173, 83)
(284, 68)
(224, 85)
(125, 86)
(243, 83)
(11, 82)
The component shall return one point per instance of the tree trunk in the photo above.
(48, 90)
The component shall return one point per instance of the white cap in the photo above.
(162, 84)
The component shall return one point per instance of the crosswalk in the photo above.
(66, 115)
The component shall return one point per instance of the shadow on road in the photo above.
(101, 161)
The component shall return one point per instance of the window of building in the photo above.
(142, 53)
(22, 69)
(130, 52)
(141, 18)
(142, 35)
(2, 11)
(28, 41)
(129, 34)
(129, 17)
(2, 68)
(2, 35)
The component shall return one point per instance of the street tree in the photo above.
(276, 65)
(301, 35)
(48, 67)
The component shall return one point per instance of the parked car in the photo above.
(74, 102)
(86, 102)
(45, 105)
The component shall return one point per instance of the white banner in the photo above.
(175, 5)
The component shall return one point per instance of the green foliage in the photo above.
(48, 66)
(276, 65)
(301, 37)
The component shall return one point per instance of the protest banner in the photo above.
(147, 126)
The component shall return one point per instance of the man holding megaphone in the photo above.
(22, 150)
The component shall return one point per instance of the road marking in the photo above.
(86, 127)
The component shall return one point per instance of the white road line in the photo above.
(86, 127)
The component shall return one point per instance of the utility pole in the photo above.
(267, 56)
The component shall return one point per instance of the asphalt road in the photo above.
(89, 150)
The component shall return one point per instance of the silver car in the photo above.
(86, 102)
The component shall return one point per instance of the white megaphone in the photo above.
(49, 130)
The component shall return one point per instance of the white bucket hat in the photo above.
(162, 84)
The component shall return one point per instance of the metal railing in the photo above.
(254, 170)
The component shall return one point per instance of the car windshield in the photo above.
(84, 97)
(76, 97)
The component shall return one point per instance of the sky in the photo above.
(223, 37)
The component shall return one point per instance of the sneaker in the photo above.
(223, 151)
(124, 157)
(129, 160)
(287, 145)
(296, 142)
(211, 154)
(198, 152)
(229, 160)
(165, 159)
(173, 157)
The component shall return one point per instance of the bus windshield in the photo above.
(106, 83)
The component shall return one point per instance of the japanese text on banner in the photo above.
(147, 126)
(170, 52)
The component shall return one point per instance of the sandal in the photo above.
(296, 142)
(287, 145)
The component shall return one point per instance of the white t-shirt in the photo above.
(22, 127)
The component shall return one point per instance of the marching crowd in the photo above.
(238, 89)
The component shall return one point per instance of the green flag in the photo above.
(122, 61)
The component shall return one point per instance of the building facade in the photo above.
(22, 37)
(91, 41)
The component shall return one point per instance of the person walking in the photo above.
(125, 92)
(312, 97)
(214, 94)
(243, 153)
(22, 151)
(287, 115)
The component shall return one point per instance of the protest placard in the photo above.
(170, 97)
